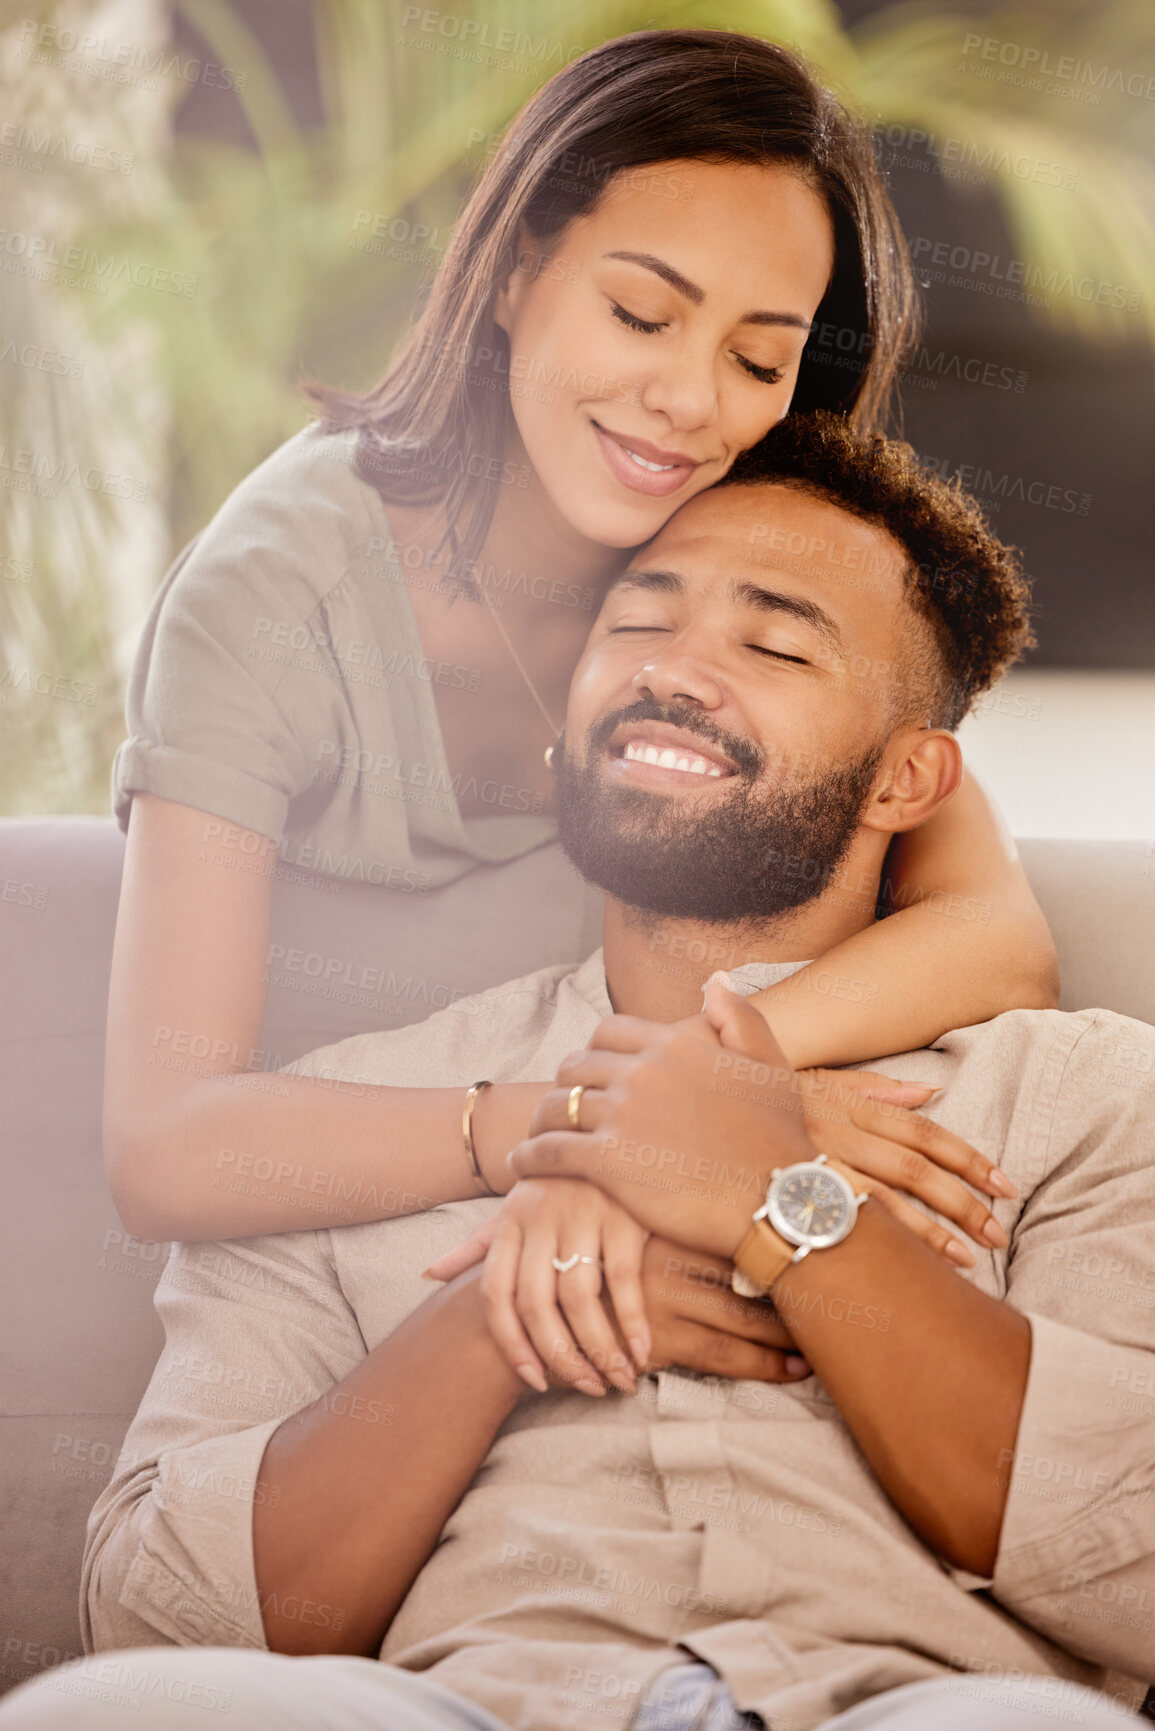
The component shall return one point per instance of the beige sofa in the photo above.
(80, 1336)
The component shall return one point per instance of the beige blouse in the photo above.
(281, 685)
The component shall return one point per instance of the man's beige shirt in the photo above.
(737, 1520)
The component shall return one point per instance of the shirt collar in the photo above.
(590, 979)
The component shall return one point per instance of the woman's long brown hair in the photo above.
(437, 424)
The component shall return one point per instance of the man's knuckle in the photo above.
(723, 1350)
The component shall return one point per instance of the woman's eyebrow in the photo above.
(692, 292)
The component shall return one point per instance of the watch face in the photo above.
(809, 1204)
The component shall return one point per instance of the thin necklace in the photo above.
(520, 665)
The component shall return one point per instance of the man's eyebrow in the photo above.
(797, 606)
(694, 293)
(657, 582)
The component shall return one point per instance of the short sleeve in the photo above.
(209, 723)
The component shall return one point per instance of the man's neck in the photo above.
(656, 967)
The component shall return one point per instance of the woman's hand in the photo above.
(532, 1307)
(863, 1120)
(658, 1302)
(660, 1099)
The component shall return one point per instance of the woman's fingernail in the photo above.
(639, 1351)
(960, 1254)
(590, 1385)
(796, 1365)
(998, 1181)
(722, 978)
(995, 1236)
(530, 1373)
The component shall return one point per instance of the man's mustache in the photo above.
(747, 757)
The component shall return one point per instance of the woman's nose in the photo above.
(684, 389)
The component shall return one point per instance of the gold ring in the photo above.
(573, 1106)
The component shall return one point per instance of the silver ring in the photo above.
(572, 1262)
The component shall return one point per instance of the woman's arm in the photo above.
(966, 941)
(188, 973)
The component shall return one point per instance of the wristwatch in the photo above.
(809, 1206)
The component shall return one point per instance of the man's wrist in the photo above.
(744, 1213)
(836, 1263)
(763, 1253)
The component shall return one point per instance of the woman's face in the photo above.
(661, 337)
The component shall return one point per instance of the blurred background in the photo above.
(203, 201)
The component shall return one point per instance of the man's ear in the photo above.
(923, 768)
(519, 266)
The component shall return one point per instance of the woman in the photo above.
(625, 307)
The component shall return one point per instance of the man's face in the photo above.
(729, 719)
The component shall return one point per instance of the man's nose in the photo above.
(681, 673)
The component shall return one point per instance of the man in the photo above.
(950, 1523)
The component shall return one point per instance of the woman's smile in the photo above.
(643, 466)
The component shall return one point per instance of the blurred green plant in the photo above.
(308, 248)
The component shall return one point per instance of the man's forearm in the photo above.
(932, 1398)
(354, 1490)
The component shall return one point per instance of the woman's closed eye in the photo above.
(765, 375)
(635, 323)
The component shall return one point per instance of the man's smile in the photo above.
(657, 754)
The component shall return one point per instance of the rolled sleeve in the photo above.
(234, 679)
(255, 1330)
(204, 725)
(186, 1571)
(1077, 1553)
(1076, 1556)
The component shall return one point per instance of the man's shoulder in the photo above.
(1032, 1087)
(1073, 1045)
(518, 1031)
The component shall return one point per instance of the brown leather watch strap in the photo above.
(763, 1254)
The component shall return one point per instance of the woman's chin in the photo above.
(614, 522)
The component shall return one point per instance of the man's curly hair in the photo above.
(966, 586)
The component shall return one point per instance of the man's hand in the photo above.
(681, 1123)
(700, 1323)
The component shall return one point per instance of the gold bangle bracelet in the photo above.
(467, 1136)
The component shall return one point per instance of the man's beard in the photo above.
(753, 853)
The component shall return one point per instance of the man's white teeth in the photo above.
(654, 468)
(668, 758)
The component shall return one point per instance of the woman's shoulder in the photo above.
(293, 527)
